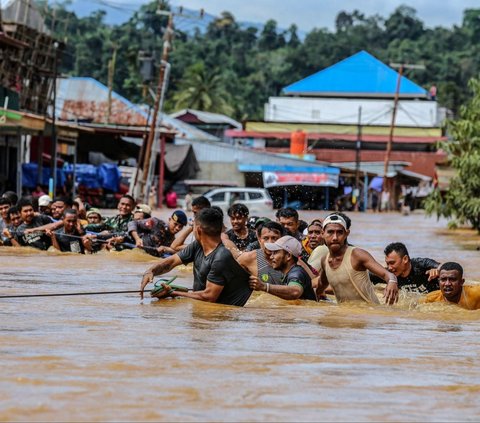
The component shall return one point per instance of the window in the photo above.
(255, 195)
(219, 196)
(237, 196)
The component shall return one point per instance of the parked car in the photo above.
(257, 200)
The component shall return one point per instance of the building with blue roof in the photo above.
(360, 75)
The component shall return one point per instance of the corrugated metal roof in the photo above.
(376, 168)
(220, 152)
(360, 75)
(208, 117)
(24, 12)
(84, 98)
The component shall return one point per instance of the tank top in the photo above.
(350, 284)
(267, 273)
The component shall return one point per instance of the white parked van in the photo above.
(257, 200)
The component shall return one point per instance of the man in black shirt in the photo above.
(288, 218)
(413, 274)
(71, 237)
(26, 234)
(240, 234)
(296, 283)
(217, 277)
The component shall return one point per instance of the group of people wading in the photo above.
(285, 257)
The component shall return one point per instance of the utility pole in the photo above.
(53, 165)
(358, 148)
(111, 74)
(401, 67)
(153, 126)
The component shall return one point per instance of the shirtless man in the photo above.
(346, 268)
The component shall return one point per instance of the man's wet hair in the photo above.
(210, 220)
(316, 222)
(11, 196)
(398, 247)
(4, 201)
(286, 212)
(271, 226)
(238, 209)
(201, 202)
(451, 265)
(12, 210)
(129, 197)
(24, 202)
(66, 200)
(70, 211)
(219, 209)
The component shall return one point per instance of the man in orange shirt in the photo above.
(452, 289)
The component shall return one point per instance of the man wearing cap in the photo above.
(44, 205)
(154, 235)
(296, 283)
(346, 268)
(142, 211)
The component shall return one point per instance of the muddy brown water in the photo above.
(116, 358)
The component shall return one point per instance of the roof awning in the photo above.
(415, 175)
(234, 133)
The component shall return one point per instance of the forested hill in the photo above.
(231, 69)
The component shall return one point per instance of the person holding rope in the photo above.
(346, 268)
(217, 277)
(71, 237)
(30, 233)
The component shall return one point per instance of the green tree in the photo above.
(461, 202)
(202, 89)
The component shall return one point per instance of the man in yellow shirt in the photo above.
(452, 289)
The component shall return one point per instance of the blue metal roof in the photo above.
(356, 75)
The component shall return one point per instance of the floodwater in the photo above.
(116, 358)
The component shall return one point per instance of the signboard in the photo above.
(274, 179)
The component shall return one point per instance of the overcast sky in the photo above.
(308, 14)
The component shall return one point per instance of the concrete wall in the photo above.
(221, 171)
(412, 113)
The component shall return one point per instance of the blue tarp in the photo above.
(106, 176)
(30, 172)
(358, 74)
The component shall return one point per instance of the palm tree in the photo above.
(202, 89)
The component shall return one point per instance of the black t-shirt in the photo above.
(417, 280)
(220, 268)
(242, 243)
(36, 239)
(69, 244)
(297, 275)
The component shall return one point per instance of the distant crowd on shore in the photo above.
(282, 255)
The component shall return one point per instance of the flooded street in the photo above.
(117, 358)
